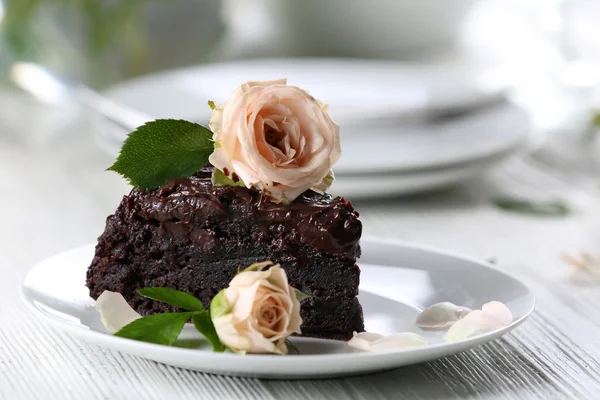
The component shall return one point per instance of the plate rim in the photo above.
(100, 338)
(396, 65)
(484, 161)
(178, 73)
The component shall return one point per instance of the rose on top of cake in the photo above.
(277, 138)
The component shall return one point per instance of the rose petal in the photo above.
(114, 311)
(246, 174)
(362, 340)
(243, 305)
(402, 340)
(494, 315)
(229, 333)
(259, 344)
(277, 276)
(586, 267)
(248, 278)
(441, 315)
(472, 325)
(498, 311)
(271, 123)
(250, 84)
(273, 331)
(368, 336)
(375, 342)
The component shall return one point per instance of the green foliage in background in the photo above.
(596, 120)
(104, 24)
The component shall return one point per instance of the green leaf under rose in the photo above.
(219, 179)
(157, 328)
(165, 328)
(204, 325)
(162, 150)
(301, 296)
(173, 297)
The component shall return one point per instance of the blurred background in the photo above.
(430, 94)
(429, 60)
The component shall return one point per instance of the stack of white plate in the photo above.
(397, 137)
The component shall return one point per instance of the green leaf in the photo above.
(219, 179)
(301, 296)
(163, 150)
(258, 266)
(291, 348)
(549, 208)
(173, 297)
(596, 119)
(329, 178)
(218, 305)
(157, 328)
(205, 326)
(212, 105)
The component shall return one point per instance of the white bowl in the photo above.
(368, 28)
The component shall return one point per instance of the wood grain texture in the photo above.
(56, 196)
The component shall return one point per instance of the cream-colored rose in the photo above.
(257, 312)
(277, 138)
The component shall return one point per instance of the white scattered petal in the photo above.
(398, 341)
(493, 315)
(498, 311)
(114, 311)
(586, 266)
(375, 342)
(363, 340)
(441, 315)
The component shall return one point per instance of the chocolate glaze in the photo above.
(328, 224)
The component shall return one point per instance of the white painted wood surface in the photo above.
(55, 195)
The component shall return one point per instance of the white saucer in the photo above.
(398, 280)
(366, 186)
(353, 87)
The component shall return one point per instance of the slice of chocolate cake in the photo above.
(192, 236)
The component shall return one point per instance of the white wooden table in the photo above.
(56, 195)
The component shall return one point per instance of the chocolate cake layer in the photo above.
(194, 237)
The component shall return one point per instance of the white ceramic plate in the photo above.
(353, 88)
(366, 186)
(398, 280)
